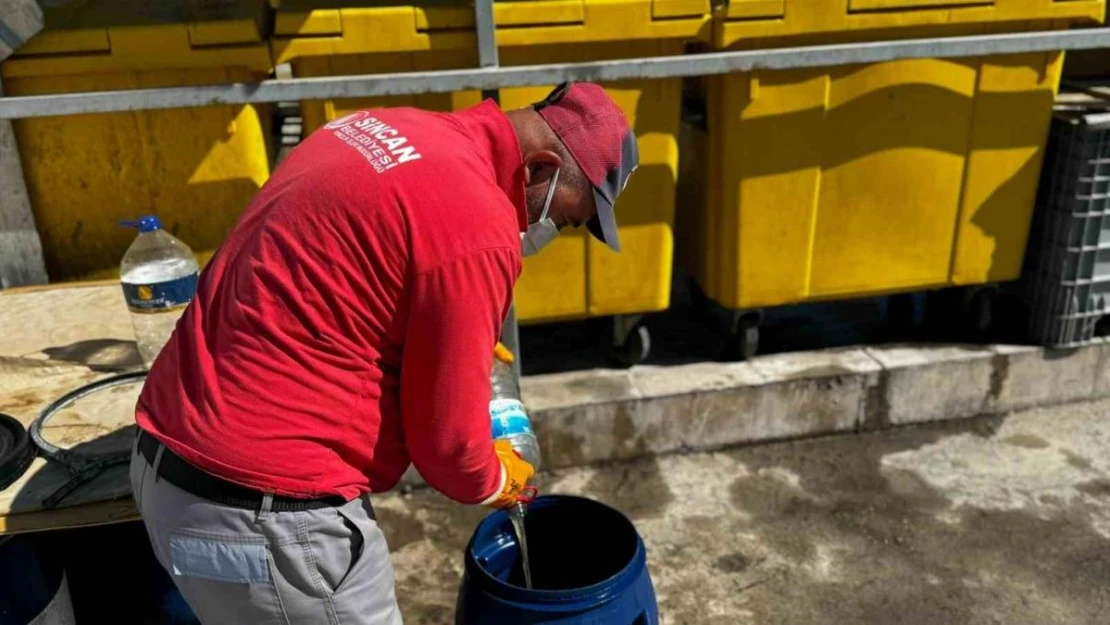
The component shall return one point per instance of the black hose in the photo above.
(52, 451)
(82, 467)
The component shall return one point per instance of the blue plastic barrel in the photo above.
(589, 565)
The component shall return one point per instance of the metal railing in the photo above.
(492, 76)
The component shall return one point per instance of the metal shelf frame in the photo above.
(492, 76)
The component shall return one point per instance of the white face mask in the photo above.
(543, 231)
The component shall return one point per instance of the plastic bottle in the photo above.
(159, 278)
(510, 422)
(509, 419)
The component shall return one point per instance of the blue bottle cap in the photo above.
(146, 223)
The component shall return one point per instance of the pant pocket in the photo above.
(323, 556)
(337, 550)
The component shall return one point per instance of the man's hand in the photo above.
(517, 474)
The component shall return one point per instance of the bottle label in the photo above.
(508, 418)
(160, 296)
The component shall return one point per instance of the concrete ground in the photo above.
(991, 520)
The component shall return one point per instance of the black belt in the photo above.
(192, 480)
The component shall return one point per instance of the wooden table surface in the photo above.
(53, 340)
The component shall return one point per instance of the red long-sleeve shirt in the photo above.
(347, 323)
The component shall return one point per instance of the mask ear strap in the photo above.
(550, 193)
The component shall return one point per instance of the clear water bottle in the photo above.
(159, 278)
(510, 422)
(509, 419)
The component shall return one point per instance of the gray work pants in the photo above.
(239, 567)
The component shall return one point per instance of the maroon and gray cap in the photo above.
(596, 133)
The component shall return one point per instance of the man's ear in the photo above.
(540, 166)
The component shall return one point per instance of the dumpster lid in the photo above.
(94, 25)
(300, 18)
(427, 15)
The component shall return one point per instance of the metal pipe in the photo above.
(487, 35)
(409, 83)
(487, 58)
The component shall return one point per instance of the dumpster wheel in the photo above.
(742, 342)
(629, 343)
(979, 311)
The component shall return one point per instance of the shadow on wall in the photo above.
(848, 136)
(1005, 214)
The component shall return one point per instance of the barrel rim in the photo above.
(596, 594)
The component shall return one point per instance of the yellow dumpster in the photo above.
(196, 168)
(774, 23)
(575, 277)
(863, 180)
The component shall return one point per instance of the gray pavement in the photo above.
(990, 520)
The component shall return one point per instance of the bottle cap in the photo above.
(146, 223)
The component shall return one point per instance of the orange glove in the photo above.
(502, 353)
(517, 474)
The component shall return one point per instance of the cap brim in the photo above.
(604, 225)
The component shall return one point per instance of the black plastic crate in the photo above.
(1067, 264)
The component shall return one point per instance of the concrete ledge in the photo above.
(1028, 376)
(930, 384)
(602, 415)
(586, 417)
(592, 416)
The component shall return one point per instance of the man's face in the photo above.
(573, 202)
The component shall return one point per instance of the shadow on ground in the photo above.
(980, 522)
